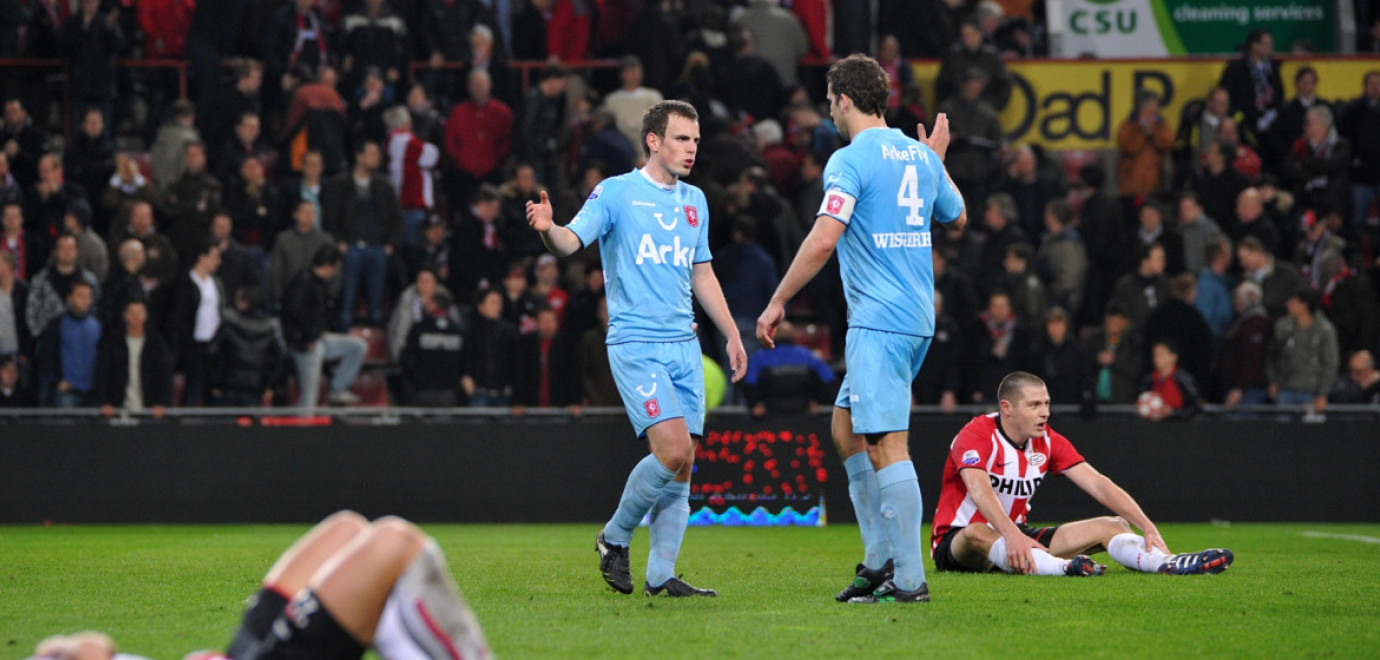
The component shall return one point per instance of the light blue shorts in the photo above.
(881, 368)
(660, 381)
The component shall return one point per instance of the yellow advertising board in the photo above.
(1078, 104)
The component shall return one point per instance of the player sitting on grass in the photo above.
(995, 464)
(344, 586)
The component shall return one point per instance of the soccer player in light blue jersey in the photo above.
(882, 193)
(653, 233)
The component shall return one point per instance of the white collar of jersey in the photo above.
(1000, 432)
(654, 182)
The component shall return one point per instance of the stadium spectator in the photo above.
(777, 35)
(1178, 320)
(90, 40)
(304, 188)
(1361, 383)
(411, 161)
(1000, 345)
(1062, 260)
(125, 284)
(581, 310)
(65, 354)
(295, 35)
(1214, 300)
(748, 277)
(1153, 228)
(546, 369)
(1256, 91)
(1176, 388)
(546, 286)
(999, 218)
(1318, 241)
(253, 203)
(1142, 141)
(134, 366)
(969, 496)
(51, 197)
(901, 78)
(11, 192)
(93, 255)
(1118, 356)
(194, 316)
(519, 305)
(971, 52)
(514, 195)
(974, 153)
(308, 312)
(161, 260)
(1219, 186)
(30, 251)
(1140, 291)
(490, 348)
(248, 357)
(164, 24)
(940, 380)
(1241, 362)
(1349, 301)
(543, 118)
(1255, 219)
(294, 248)
(434, 251)
(16, 341)
(530, 31)
(241, 266)
(491, 58)
(24, 141)
(478, 140)
(50, 289)
(781, 161)
(1291, 116)
(192, 201)
(427, 122)
(373, 37)
(1317, 164)
(631, 100)
(1303, 357)
(1199, 125)
(1247, 160)
(1360, 124)
(90, 157)
(167, 156)
(1030, 187)
(596, 375)
(479, 242)
(1196, 230)
(787, 379)
(412, 308)
(1060, 360)
(316, 121)
(1277, 279)
(960, 293)
(243, 99)
(810, 187)
(748, 83)
(1024, 290)
(245, 142)
(364, 114)
(125, 186)
(363, 213)
(13, 393)
(431, 355)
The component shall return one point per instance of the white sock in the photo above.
(1129, 551)
(425, 616)
(391, 639)
(1045, 563)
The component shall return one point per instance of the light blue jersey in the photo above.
(887, 188)
(650, 237)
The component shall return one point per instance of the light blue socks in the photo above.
(902, 516)
(645, 484)
(862, 488)
(670, 516)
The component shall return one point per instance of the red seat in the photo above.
(377, 339)
(815, 336)
(372, 389)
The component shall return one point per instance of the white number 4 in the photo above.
(908, 196)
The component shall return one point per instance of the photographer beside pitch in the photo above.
(997, 462)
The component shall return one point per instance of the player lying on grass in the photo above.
(995, 464)
(346, 585)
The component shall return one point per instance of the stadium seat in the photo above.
(372, 389)
(815, 336)
(377, 339)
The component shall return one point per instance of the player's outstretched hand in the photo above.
(539, 214)
(939, 139)
(771, 317)
(737, 358)
(1018, 549)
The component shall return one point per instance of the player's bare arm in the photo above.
(1116, 499)
(705, 284)
(1018, 545)
(813, 254)
(558, 240)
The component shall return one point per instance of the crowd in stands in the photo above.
(245, 245)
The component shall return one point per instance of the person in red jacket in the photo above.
(478, 139)
(164, 24)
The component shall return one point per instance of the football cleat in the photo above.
(890, 593)
(1084, 566)
(676, 588)
(1207, 562)
(613, 563)
(866, 581)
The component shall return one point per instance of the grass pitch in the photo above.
(1295, 590)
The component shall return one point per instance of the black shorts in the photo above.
(305, 630)
(944, 557)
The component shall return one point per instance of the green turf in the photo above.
(164, 591)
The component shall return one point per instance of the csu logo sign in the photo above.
(1102, 21)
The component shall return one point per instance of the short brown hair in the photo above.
(1011, 386)
(862, 79)
(654, 122)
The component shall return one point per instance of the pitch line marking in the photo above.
(1344, 537)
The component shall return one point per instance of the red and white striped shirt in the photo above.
(1014, 472)
(410, 161)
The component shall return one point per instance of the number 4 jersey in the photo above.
(887, 188)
